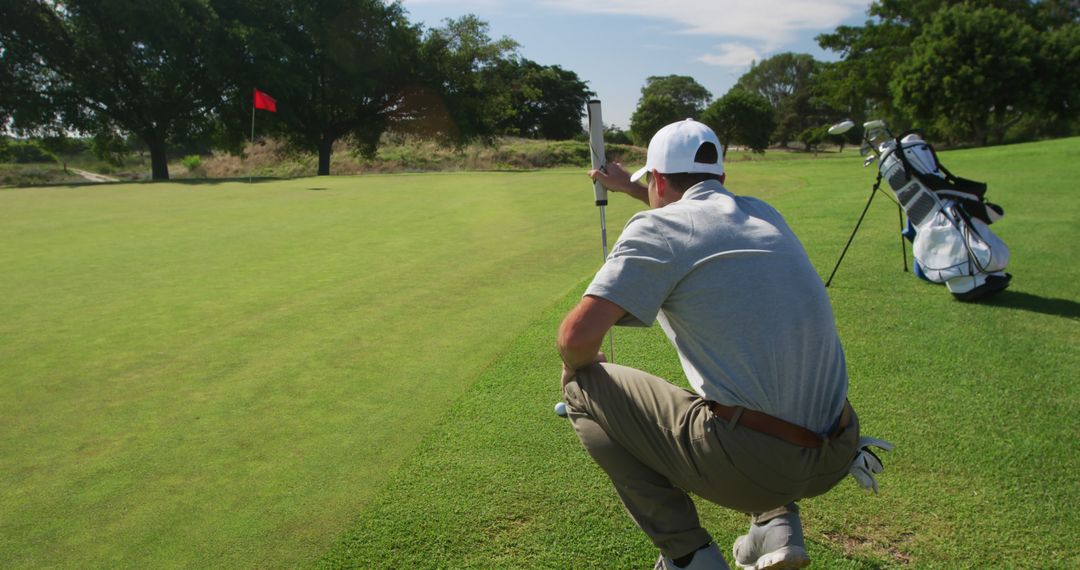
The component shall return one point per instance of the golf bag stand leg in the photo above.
(856, 230)
(903, 248)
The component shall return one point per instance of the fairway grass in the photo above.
(360, 372)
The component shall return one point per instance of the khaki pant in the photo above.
(657, 442)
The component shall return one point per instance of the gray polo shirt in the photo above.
(736, 294)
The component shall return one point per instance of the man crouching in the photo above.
(767, 422)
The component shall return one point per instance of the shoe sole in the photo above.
(786, 558)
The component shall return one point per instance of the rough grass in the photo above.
(270, 158)
(406, 154)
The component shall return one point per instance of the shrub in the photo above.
(191, 162)
(813, 137)
(615, 135)
(29, 152)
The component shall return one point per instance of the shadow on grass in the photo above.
(184, 181)
(245, 179)
(1034, 303)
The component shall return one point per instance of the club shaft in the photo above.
(603, 232)
(603, 246)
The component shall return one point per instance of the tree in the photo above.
(1059, 70)
(861, 85)
(339, 69)
(652, 113)
(970, 73)
(487, 89)
(615, 135)
(467, 75)
(110, 67)
(786, 81)
(63, 147)
(1051, 15)
(813, 137)
(545, 101)
(690, 95)
(743, 118)
(665, 100)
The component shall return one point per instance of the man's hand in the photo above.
(615, 178)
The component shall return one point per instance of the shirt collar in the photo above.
(703, 189)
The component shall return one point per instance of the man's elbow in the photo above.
(575, 339)
(582, 331)
(567, 338)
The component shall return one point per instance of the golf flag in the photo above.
(265, 102)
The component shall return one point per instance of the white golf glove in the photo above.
(867, 463)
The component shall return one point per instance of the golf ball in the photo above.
(560, 409)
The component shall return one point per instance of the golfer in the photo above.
(767, 422)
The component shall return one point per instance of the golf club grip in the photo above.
(596, 149)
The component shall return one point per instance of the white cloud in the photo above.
(772, 23)
(732, 55)
(459, 3)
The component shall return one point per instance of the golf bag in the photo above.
(948, 220)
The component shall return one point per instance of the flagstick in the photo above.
(252, 135)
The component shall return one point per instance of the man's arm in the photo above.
(583, 330)
(617, 179)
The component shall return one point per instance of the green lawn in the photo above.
(980, 399)
(224, 374)
(360, 372)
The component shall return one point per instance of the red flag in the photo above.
(265, 102)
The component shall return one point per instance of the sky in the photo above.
(614, 45)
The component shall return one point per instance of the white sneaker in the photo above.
(708, 558)
(775, 545)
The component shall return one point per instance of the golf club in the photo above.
(599, 162)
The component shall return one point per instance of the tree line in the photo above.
(965, 72)
(181, 73)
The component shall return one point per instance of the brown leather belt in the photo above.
(778, 428)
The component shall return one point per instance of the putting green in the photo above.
(223, 373)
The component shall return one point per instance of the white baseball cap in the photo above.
(674, 148)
